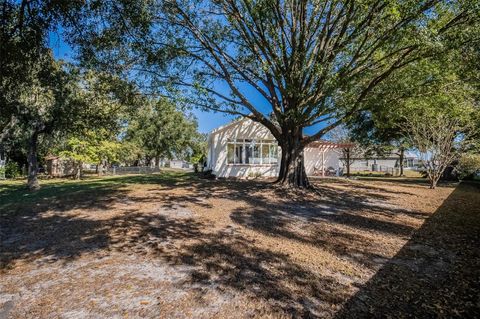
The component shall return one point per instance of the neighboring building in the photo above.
(179, 164)
(388, 162)
(244, 148)
(58, 167)
(3, 157)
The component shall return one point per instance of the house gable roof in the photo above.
(315, 144)
(233, 122)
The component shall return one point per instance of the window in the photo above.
(230, 153)
(252, 149)
(247, 151)
(266, 154)
(239, 154)
(235, 153)
(273, 154)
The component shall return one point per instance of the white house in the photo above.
(244, 148)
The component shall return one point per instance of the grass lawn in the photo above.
(172, 245)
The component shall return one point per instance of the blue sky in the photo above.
(207, 121)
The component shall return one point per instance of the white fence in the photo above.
(121, 170)
(387, 170)
(2, 168)
(375, 168)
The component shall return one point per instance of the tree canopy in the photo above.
(161, 131)
(310, 62)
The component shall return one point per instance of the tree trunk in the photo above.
(401, 159)
(292, 169)
(78, 170)
(157, 161)
(100, 168)
(32, 162)
(348, 162)
(433, 178)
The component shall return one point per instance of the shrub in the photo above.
(468, 165)
(254, 174)
(12, 170)
(208, 174)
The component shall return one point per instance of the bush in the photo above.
(254, 174)
(207, 174)
(12, 170)
(468, 165)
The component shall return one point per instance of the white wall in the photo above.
(217, 150)
(313, 159)
(361, 164)
(176, 164)
(247, 129)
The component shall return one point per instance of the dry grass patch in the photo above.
(171, 245)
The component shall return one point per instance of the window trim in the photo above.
(242, 142)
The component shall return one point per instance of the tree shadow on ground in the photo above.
(46, 229)
(53, 223)
(407, 181)
(67, 194)
(165, 178)
(230, 261)
(368, 189)
(345, 222)
(223, 260)
(436, 274)
(47, 239)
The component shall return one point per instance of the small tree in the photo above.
(437, 140)
(199, 151)
(468, 165)
(91, 147)
(351, 150)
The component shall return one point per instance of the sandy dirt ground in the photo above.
(182, 247)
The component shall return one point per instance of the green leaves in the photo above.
(92, 147)
(160, 130)
(468, 165)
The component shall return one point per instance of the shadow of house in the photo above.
(436, 274)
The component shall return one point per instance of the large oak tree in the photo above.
(308, 62)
